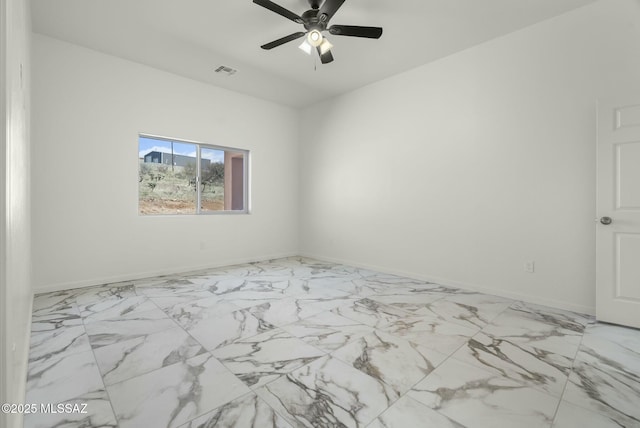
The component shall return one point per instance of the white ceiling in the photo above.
(193, 37)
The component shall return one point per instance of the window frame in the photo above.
(246, 167)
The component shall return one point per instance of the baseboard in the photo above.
(150, 274)
(559, 304)
(230, 262)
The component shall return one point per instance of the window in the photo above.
(182, 177)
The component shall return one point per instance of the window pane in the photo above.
(167, 177)
(212, 173)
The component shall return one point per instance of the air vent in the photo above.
(223, 69)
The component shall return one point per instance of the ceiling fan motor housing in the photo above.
(312, 21)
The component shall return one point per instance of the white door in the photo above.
(618, 201)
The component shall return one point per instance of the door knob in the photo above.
(606, 220)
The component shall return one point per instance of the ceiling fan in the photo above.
(315, 21)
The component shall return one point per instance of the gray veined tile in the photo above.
(350, 286)
(320, 291)
(327, 393)
(89, 295)
(130, 358)
(617, 347)
(267, 356)
(115, 308)
(326, 302)
(174, 395)
(387, 283)
(229, 286)
(371, 313)
(108, 332)
(444, 337)
(192, 313)
(407, 412)
(54, 321)
(60, 342)
(62, 378)
(217, 332)
(60, 315)
(567, 320)
(481, 399)
(289, 286)
(541, 369)
(390, 359)
(53, 302)
(94, 412)
(571, 416)
(533, 331)
(249, 298)
(285, 311)
(248, 411)
(470, 310)
(328, 331)
(165, 287)
(596, 384)
(407, 302)
(166, 302)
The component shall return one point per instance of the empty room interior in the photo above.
(320, 213)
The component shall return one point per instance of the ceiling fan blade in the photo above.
(356, 31)
(282, 41)
(279, 10)
(328, 9)
(325, 58)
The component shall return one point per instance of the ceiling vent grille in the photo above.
(223, 69)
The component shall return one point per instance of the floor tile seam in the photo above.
(454, 321)
(104, 384)
(447, 356)
(146, 299)
(490, 373)
(451, 418)
(259, 385)
(527, 348)
(36, 316)
(334, 330)
(524, 383)
(145, 336)
(66, 354)
(360, 322)
(250, 393)
(187, 332)
(533, 317)
(500, 313)
(611, 408)
(120, 318)
(573, 363)
(187, 302)
(228, 371)
(84, 329)
(564, 390)
(391, 402)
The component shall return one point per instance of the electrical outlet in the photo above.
(529, 266)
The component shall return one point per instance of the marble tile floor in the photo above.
(297, 342)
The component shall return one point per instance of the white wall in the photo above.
(88, 111)
(15, 257)
(461, 170)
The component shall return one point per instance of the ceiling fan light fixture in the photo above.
(306, 47)
(325, 46)
(315, 38)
